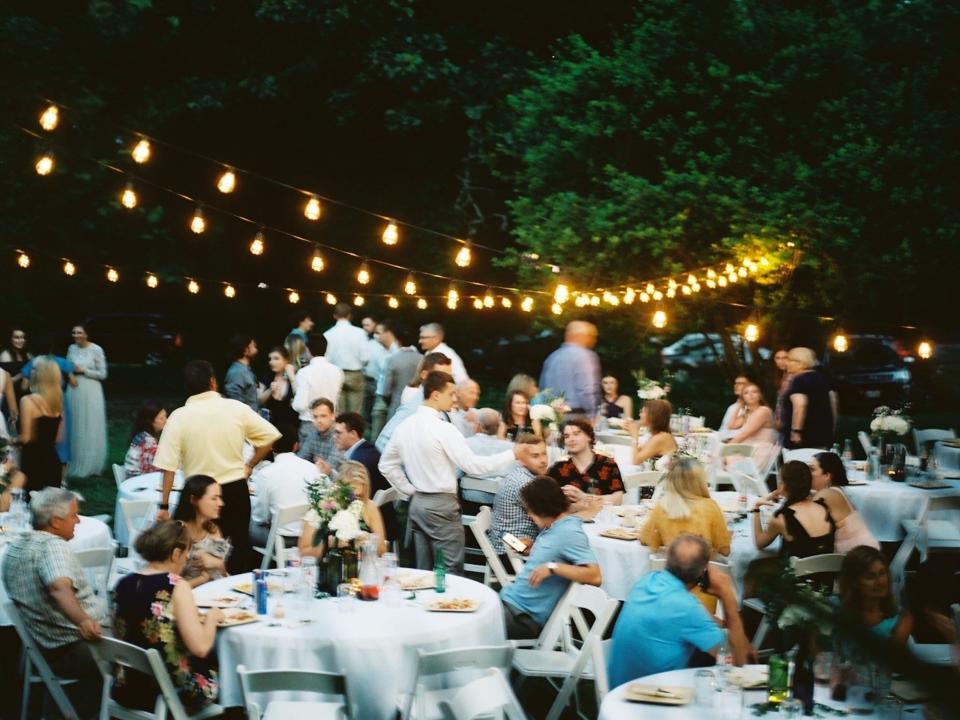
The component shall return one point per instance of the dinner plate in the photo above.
(224, 601)
(620, 534)
(461, 605)
(416, 580)
(658, 694)
(232, 618)
(247, 588)
(749, 678)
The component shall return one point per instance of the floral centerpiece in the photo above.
(335, 511)
(547, 407)
(888, 428)
(648, 389)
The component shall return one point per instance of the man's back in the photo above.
(400, 369)
(319, 379)
(283, 482)
(345, 345)
(573, 371)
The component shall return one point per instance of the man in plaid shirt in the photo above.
(509, 515)
(319, 446)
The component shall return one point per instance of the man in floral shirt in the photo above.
(587, 479)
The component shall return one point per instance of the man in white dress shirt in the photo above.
(421, 461)
(431, 340)
(319, 379)
(346, 344)
(374, 358)
(281, 483)
(432, 361)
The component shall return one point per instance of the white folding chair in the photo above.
(804, 455)
(335, 704)
(423, 704)
(488, 696)
(478, 489)
(865, 442)
(615, 439)
(479, 527)
(119, 475)
(138, 515)
(746, 484)
(275, 547)
(645, 478)
(97, 565)
(732, 449)
(922, 438)
(109, 652)
(923, 534)
(517, 561)
(36, 670)
(383, 496)
(600, 656)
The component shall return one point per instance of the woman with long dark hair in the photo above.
(276, 398)
(144, 438)
(805, 526)
(516, 417)
(866, 595)
(201, 501)
(829, 478)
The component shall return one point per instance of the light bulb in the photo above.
(69, 268)
(582, 300)
(506, 302)
(421, 304)
(463, 256)
(722, 281)
(141, 151)
(556, 308)
(691, 279)
(112, 275)
(227, 182)
(453, 296)
(650, 288)
(764, 261)
(23, 260)
(742, 272)
(561, 294)
(644, 297)
(393, 302)
(925, 350)
(193, 287)
(657, 295)
(526, 304)
(390, 234)
(478, 304)
(293, 297)
(711, 274)
(488, 301)
(629, 296)
(152, 280)
(672, 283)
(659, 319)
(44, 165)
(746, 262)
(410, 286)
(229, 291)
(615, 301)
(50, 118)
(751, 333)
(257, 245)
(197, 222)
(695, 287)
(840, 343)
(728, 268)
(594, 301)
(331, 299)
(311, 211)
(686, 290)
(732, 277)
(452, 303)
(671, 292)
(358, 300)
(711, 283)
(316, 262)
(128, 198)
(363, 274)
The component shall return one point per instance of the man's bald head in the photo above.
(489, 421)
(687, 558)
(582, 333)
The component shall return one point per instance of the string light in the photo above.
(69, 268)
(742, 272)
(193, 287)
(316, 262)
(421, 304)
(453, 296)
(722, 281)
(311, 211)
(733, 277)
(650, 288)
(23, 260)
(390, 234)
(657, 295)
(331, 299)
(488, 301)
(257, 245)
(112, 275)
(671, 292)
(478, 304)
(229, 291)
(358, 300)
(582, 300)
(556, 308)
(711, 283)
(44, 164)
(764, 262)
(644, 297)
(691, 279)
(594, 300)
(141, 151)
(526, 304)
(506, 302)
(728, 268)
(686, 290)
(925, 350)
(363, 274)
(50, 118)
(695, 287)
(840, 342)
(751, 333)
(659, 319)
(672, 284)
(197, 223)
(152, 280)
(464, 256)
(128, 198)
(293, 297)
(410, 286)
(629, 296)
(561, 294)
(227, 182)
(393, 302)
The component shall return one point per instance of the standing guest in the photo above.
(399, 369)
(806, 526)
(67, 379)
(46, 583)
(613, 403)
(524, 383)
(809, 403)
(464, 414)
(154, 609)
(346, 344)
(319, 379)
(277, 398)
(828, 478)
(381, 402)
(206, 437)
(421, 461)
(509, 514)
(516, 417)
(735, 410)
(431, 362)
(588, 480)
(560, 555)
(781, 382)
(144, 440)
(11, 407)
(296, 348)
(303, 326)
(431, 341)
(199, 509)
(655, 418)
(374, 357)
(241, 382)
(348, 437)
(320, 446)
(88, 414)
(574, 369)
(280, 483)
(13, 358)
(41, 424)
(866, 596)
(662, 626)
(412, 394)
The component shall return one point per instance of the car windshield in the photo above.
(869, 353)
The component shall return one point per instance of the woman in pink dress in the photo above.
(829, 476)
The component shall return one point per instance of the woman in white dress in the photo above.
(88, 437)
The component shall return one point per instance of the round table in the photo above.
(947, 457)
(374, 645)
(885, 504)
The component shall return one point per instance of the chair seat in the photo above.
(124, 713)
(931, 653)
(937, 530)
(427, 705)
(547, 663)
(755, 604)
(315, 710)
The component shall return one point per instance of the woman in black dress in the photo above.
(41, 422)
(276, 398)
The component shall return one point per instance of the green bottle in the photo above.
(439, 572)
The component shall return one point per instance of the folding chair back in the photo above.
(487, 696)
(97, 565)
(441, 662)
(646, 478)
(280, 518)
(804, 455)
(826, 564)
(747, 484)
(615, 439)
(138, 515)
(517, 561)
(119, 474)
(600, 656)
(479, 527)
(922, 438)
(294, 680)
(733, 449)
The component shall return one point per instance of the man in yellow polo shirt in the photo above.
(206, 437)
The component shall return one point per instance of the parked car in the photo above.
(140, 338)
(694, 350)
(870, 371)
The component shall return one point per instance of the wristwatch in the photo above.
(552, 567)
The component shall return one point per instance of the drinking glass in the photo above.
(791, 708)
(345, 598)
(731, 702)
(889, 708)
(704, 687)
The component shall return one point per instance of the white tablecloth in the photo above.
(885, 504)
(947, 457)
(90, 533)
(375, 645)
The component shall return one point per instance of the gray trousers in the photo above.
(437, 524)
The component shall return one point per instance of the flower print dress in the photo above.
(143, 616)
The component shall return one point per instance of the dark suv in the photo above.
(140, 338)
(870, 372)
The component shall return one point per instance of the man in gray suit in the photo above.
(400, 368)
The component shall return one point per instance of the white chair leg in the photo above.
(898, 566)
(761, 634)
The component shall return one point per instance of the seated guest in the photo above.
(280, 483)
(144, 440)
(655, 418)
(560, 555)
(588, 480)
(46, 583)
(734, 412)
(755, 425)
(319, 445)
(431, 362)
(488, 440)
(201, 501)
(613, 404)
(806, 526)
(155, 609)
(10, 479)
(662, 626)
(509, 515)
(828, 477)
(311, 544)
(516, 417)
(867, 598)
(464, 414)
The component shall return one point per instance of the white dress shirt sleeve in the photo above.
(456, 448)
(391, 466)
(302, 396)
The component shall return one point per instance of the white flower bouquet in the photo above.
(335, 509)
(889, 422)
(648, 389)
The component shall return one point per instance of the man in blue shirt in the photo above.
(662, 625)
(241, 383)
(560, 555)
(573, 369)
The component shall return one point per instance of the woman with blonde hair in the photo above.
(41, 426)
(297, 351)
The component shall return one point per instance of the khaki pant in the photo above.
(351, 392)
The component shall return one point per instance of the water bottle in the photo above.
(873, 464)
(847, 450)
(260, 591)
(19, 512)
(439, 573)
